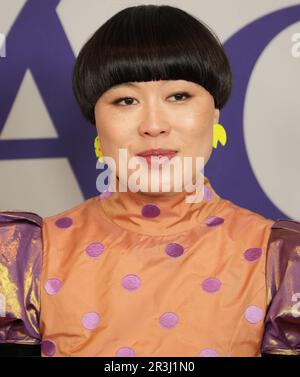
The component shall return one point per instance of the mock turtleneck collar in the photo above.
(161, 215)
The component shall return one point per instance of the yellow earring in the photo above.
(97, 148)
(219, 135)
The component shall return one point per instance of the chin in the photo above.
(161, 191)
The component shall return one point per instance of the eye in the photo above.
(180, 94)
(119, 100)
(128, 100)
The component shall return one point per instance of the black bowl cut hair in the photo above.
(149, 43)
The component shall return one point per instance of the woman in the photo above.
(142, 272)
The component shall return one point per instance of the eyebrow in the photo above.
(130, 83)
(124, 84)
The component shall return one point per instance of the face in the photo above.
(169, 114)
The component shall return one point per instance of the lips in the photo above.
(158, 152)
(148, 154)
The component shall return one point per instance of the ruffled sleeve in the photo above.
(282, 321)
(20, 269)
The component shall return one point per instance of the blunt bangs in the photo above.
(149, 43)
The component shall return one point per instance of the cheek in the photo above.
(200, 142)
(110, 133)
(198, 118)
(198, 134)
(198, 128)
(111, 143)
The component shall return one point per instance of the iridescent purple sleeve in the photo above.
(282, 321)
(20, 269)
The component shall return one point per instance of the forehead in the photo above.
(158, 84)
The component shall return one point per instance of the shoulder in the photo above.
(282, 322)
(9, 217)
(286, 228)
(243, 212)
(82, 210)
(20, 264)
(20, 236)
(284, 243)
(283, 256)
(238, 212)
(245, 223)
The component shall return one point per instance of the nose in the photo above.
(153, 123)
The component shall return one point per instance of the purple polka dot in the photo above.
(150, 210)
(207, 193)
(64, 222)
(48, 347)
(253, 314)
(208, 352)
(52, 286)
(95, 249)
(168, 320)
(104, 195)
(174, 250)
(131, 282)
(214, 220)
(125, 351)
(211, 285)
(252, 254)
(90, 320)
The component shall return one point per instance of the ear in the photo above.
(216, 116)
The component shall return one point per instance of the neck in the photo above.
(160, 214)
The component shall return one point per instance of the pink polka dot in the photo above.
(104, 195)
(174, 250)
(90, 320)
(95, 249)
(125, 352)
(253, 314)
(150, 210)
(48, 347)
(131, 282)
(214, 221)
(52, 286)
(168, 320)
(252, 254)
(211, 285)
(64, 222)
(208, 352)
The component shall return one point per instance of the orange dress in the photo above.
(128, 275)
(124, 274)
